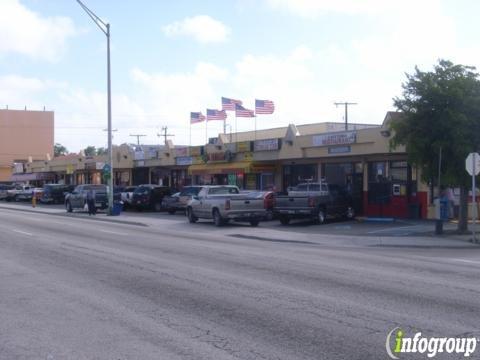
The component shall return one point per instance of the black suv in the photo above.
(149, 197)
(55, 193)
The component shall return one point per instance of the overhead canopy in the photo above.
(33, 176)
(220, 168)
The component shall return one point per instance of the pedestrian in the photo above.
(92, 210)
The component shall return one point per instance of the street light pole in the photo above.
(105, 28)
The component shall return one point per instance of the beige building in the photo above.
(25, 136)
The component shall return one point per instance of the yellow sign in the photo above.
(248, 156)
(243, 146)
(69, 169)
(195, 151)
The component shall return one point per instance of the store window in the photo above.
(295, 174)
(398, 171)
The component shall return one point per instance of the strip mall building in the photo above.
(379, 178)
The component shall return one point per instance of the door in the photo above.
(357, 192)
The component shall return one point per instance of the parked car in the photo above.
(149, 197)
(269, 198)
(315, 201)
(180, 200)
(20, 192)
(77, 199)
(223, 203)
(126, 196)
(4, 190)
(55, 193)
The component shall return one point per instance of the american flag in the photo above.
(216, 114)
(229, 104)
(196, 117)
(264, 107)
(240, 111)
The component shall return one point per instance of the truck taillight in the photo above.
(227, 204)
(311, 202)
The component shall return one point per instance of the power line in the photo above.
(138, 136)
(346, 103)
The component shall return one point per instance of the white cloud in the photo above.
(26, 32)
(202, 28)
(313, 8)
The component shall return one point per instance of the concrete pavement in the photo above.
(71, 288)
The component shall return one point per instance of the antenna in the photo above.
(346, 103)
(165, 134)
(138, 136)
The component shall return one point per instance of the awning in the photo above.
(33, 176)
(220, 168)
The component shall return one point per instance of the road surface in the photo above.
(73, 288)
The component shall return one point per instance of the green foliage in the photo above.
(102, 151)
(90, 151)
(59, 150)
(441, 109)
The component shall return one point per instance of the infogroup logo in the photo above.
(397, 343)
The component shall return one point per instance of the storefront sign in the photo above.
(70, 169)
(91, 166)
(198, 160)
(99, 165)
(347, 137)
(339, 150)
(181, 151)
(243, 146)
(218, 156)
(266, 145)
(248, 156)
(184, 160)
(196, 151)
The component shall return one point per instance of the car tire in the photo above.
(69, 207)
(217, 218)
(191, 218)
(350, 214)
(254, 222)
(284, 220)
(321, 216)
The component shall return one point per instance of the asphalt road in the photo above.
(72, 288)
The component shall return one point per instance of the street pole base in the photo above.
(439, 227)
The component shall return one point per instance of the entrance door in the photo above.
(357, 192)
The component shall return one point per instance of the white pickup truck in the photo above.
(223, 203)
(20, 192)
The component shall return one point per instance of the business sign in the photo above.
(181, 151)
(243, 146)
(184, 160)
(347, 137)
(339, 150)
(265, 145)
(218, 156)
(196, 150)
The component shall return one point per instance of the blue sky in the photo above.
(170, 58)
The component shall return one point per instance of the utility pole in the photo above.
(138, 136)
(105, 28)
(346, 103)
(165, 134)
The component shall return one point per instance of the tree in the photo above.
(441, 111)
(59, 150)
(90, 151)
(102, 151)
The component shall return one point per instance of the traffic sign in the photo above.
(472, 163)
(107, 168)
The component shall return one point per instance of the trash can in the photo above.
(117, 208)
(414, 211)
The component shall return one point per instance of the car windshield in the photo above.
(142, 190)
(193, 191)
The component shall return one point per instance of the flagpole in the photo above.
(255, 135)
(190, 134)
(206, 131)
(236, 132)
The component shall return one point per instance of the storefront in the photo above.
(221, 173)
(294, 174)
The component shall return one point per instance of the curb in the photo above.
(126, 222)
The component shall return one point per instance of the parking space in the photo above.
(397, 228)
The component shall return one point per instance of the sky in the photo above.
(173, 57)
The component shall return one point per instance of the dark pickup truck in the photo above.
(77, 199)
(315, 201)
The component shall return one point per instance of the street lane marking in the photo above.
(22, 232)
(112, 232)
(467, 261)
